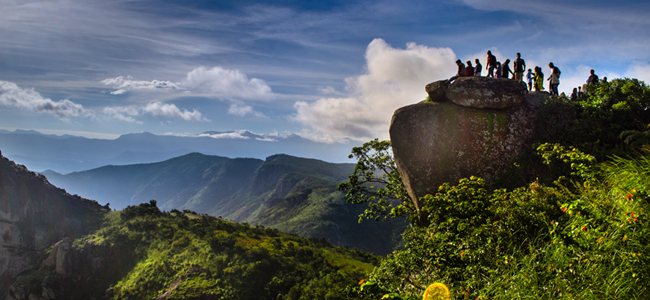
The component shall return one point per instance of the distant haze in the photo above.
(65, 154)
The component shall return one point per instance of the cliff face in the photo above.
(34, 215)
(472, 126)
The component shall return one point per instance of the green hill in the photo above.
(295, 195)
(143, 253)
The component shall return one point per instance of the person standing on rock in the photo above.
(477, 68)
(554, 79)
(539, 79)
(530, 76)
(491, 64)
(520, 67)
(574, 95)
(505, 69)
(498, 69)
(469, 70)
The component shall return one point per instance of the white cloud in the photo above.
(216, 82)
(12, 95)
(241, 110)
(171, 110)
(395, 78)
(224, 83)
(127, 83)
(640, 71)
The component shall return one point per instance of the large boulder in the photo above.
(479, 92)
(437, 142)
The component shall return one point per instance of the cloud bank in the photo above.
(216, 82)
(394, 78)
(12, 95)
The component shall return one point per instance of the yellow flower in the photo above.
(436, 291)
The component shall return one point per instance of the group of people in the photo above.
(535, 80)
(585, 88)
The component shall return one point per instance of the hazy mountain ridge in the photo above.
(293, 194)
(65, 154)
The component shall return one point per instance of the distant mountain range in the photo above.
(292, 194)
(66, 153)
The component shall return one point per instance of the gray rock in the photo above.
(437, 91)
(435, 143)
(486, 92)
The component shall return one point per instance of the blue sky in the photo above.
(331, 71)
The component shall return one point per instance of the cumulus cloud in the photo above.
(171, 110)
(12, 95)
(127, 113)
(640, 71)
(394, 78)
(216, 82)
(241, 110)
(239, 134)
(122, 84)
(230, 84)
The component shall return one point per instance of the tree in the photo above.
(376, 181)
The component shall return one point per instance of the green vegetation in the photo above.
(147, 253)
(291, 194)
(562, 224)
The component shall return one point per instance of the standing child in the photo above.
(530, 76)
(539, 79)
(498, 69)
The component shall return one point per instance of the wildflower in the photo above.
(584, 228)
(552, 222)
(462, 254)
(629, 196)
(600, 239)
(632, 215)
(563, 209)
(362, 281)
(625, 238)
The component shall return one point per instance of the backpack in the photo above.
(557, 71)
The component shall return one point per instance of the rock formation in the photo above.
(477, 128)
(33, 216)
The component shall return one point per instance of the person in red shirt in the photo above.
(469, 70)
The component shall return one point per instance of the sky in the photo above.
(329, 71)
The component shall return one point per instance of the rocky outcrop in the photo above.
(478, 128)
(33, 216)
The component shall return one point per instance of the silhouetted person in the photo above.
(574, 95)
(461, 68)
(498, 69)
(469, 70)
(580, 92)
(520, 67)
(491, 64)
(593, 78)
(478, 68)
(554, 79)
(530, 77)
(604, 79)
(539, 79)
(505, 69)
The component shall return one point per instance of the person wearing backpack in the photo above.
(554, 79)
(520, 67)
(491, 64)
